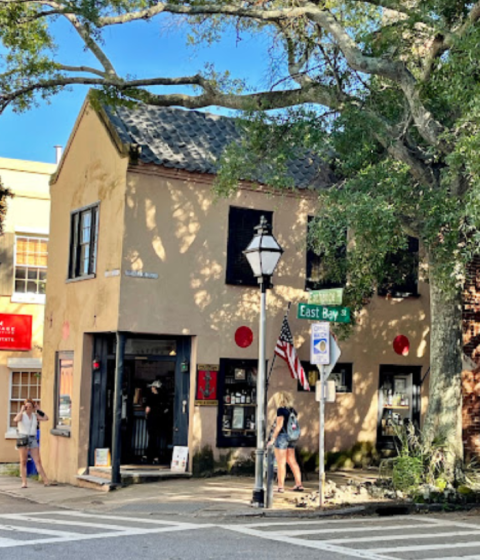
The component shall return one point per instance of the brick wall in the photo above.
(471, 379)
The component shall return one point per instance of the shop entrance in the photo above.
(153, 419)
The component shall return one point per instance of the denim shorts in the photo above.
(32, 442)
(282, 442)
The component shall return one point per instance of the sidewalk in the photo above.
(199, 497)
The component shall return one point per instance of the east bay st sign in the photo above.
(333, 314)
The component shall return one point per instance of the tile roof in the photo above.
(193, 141)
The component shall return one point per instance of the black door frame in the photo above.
(388, 442)
(102, 350)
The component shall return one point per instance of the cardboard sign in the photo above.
(15, 332)
(179, 459)
(102, 457)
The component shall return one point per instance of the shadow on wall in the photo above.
(174, 230)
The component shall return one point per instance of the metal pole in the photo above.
(117, 409)
(321, 453)
(270, 477)
(258, 491)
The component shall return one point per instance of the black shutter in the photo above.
(7, 244)
(241, 224)
(73, 264)
(401, 279)
(93, 242)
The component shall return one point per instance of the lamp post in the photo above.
(263, 254)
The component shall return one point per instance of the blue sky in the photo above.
(142, 49)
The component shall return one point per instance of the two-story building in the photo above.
(23, 277)
(147, 281)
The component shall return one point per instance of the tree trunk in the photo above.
(444, 414)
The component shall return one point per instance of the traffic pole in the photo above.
(321, 453)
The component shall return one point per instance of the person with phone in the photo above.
(27, 424)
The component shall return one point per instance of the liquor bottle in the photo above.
(242, 398)
(248, 398)
(390, 398)
(233, 399)
(227, 397)
(238, 397)
(254, 396)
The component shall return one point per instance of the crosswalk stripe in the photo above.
(122, 518)
(318, 545)
(34, 530)
(48, 521)
(376, 528)
(326, 520)
(418, 548)
(84, 537)
(410, 536)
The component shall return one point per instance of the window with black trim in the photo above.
(318, 276)
(64, 391)
(241, 224)
(83, 242)
(342, 374)
(401, 272)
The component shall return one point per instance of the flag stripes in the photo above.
(286, 350)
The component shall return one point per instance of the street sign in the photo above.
(333, 296)
(320, 344)
(335, 353)
(334, 314)
(330, 391)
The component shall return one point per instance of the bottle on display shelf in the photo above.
(227, 397)
(243, 398)
(248, 398)
(254, 396)
(233, 399)
(238, 397)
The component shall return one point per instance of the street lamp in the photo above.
(263, 254)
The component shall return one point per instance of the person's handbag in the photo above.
(22, 441)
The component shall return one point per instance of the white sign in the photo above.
(335, 353)
(320, 344)
(179, 459)
(140, 274)
(330, 391)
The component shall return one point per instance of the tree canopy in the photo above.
(386, 90)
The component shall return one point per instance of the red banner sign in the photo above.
(15, 332)
(207, 385)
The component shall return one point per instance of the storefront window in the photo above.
(341, 374)
(237, 403)
(399, 404)
(64, 390)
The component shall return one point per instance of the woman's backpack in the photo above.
(293, 427)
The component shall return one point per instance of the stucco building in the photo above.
(146, 274)
(23, 276)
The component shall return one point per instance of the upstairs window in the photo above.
(318, 276)
(31, 266)
(241, 224)
(83, 242)
(401, 272)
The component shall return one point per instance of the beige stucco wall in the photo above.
(28, 212)
(175, 230)
(165, 222)
(91, 171)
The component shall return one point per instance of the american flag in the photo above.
(286, 350)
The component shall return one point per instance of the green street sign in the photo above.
(334, 296)
(333, 314)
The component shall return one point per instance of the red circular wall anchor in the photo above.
(243, 337)
(401, 345)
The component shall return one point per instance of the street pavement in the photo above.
(29, 530)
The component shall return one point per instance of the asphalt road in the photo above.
(29, 531)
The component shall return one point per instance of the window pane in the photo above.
(32, 273)
(42, 288)
(25, 378)
(20, 273)
(31, 287)
(65, 388)
(25, 392)
(20, 286)
(15, 392)
(15, 377)
(42, 275)
(83, 243)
